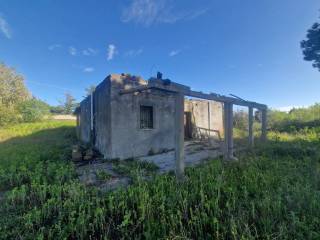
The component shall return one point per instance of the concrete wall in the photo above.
(128, 140)
(85, 120)
(117, 132)
(205, 116)
(63, 117)
(102, 118)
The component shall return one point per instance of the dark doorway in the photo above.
(187, 125)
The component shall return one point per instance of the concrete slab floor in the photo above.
(196, 152)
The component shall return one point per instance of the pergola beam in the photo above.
(180, 91)
(196, 94)
(225, 99)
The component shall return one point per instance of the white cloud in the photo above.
(288, 108)
(149, 12)
(196, 13)
(4, 28)
(134, 52)
(89, 52)
(111, 51)
(88, 69)
(73, 51)
(54, 46)
(174, 53)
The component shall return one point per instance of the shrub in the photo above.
(33, 110)
(8, 115)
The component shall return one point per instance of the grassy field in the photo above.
(273, 192)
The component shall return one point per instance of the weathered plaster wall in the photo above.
(85, 120)
(128, 140)
(102, 118)
(206, 115)
(117, 118)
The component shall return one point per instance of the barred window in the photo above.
(146, 117)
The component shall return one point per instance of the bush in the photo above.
(296, 119)
(33, 110)
(8, 115)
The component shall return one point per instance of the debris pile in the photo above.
(82, 153)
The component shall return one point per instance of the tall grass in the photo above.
(273, 192)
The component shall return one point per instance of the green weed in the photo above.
(271, 193)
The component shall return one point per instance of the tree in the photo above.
(33, 110)
(69, 104)
(57, 109)
(12, 92)
(240, 119)
(12, 88)
(90, 90)
(311, 46)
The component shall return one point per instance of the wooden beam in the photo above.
(251, 136)
(179, 135)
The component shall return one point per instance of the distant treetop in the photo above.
(311, 46)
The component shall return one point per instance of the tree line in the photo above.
(17, 104)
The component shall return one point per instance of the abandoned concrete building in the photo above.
(128, 117)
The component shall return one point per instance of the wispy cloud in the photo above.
(174, 53)
(133, 52)
(73, 51)
(149, 12)
(88, 69)
(54, 46)
(112, 50)
(4, 28)
(89, 52)
(288, 108)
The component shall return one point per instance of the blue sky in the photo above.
(245, 47)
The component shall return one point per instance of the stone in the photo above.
(87, 157)
(89, 152)
(76, 156)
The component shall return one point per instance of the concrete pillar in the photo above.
(179, 135)
(264, 125)
(225, 125)
(251, 136)
(228, 138)
(209, 117)
(230, 132)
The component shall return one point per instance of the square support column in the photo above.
(264, 125)
(251, 136)
(228, 138)
(179, 135)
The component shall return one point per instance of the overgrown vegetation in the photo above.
(16, 103)
(271, 193)
(131, 167)
(103, 175)
(294, 120)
